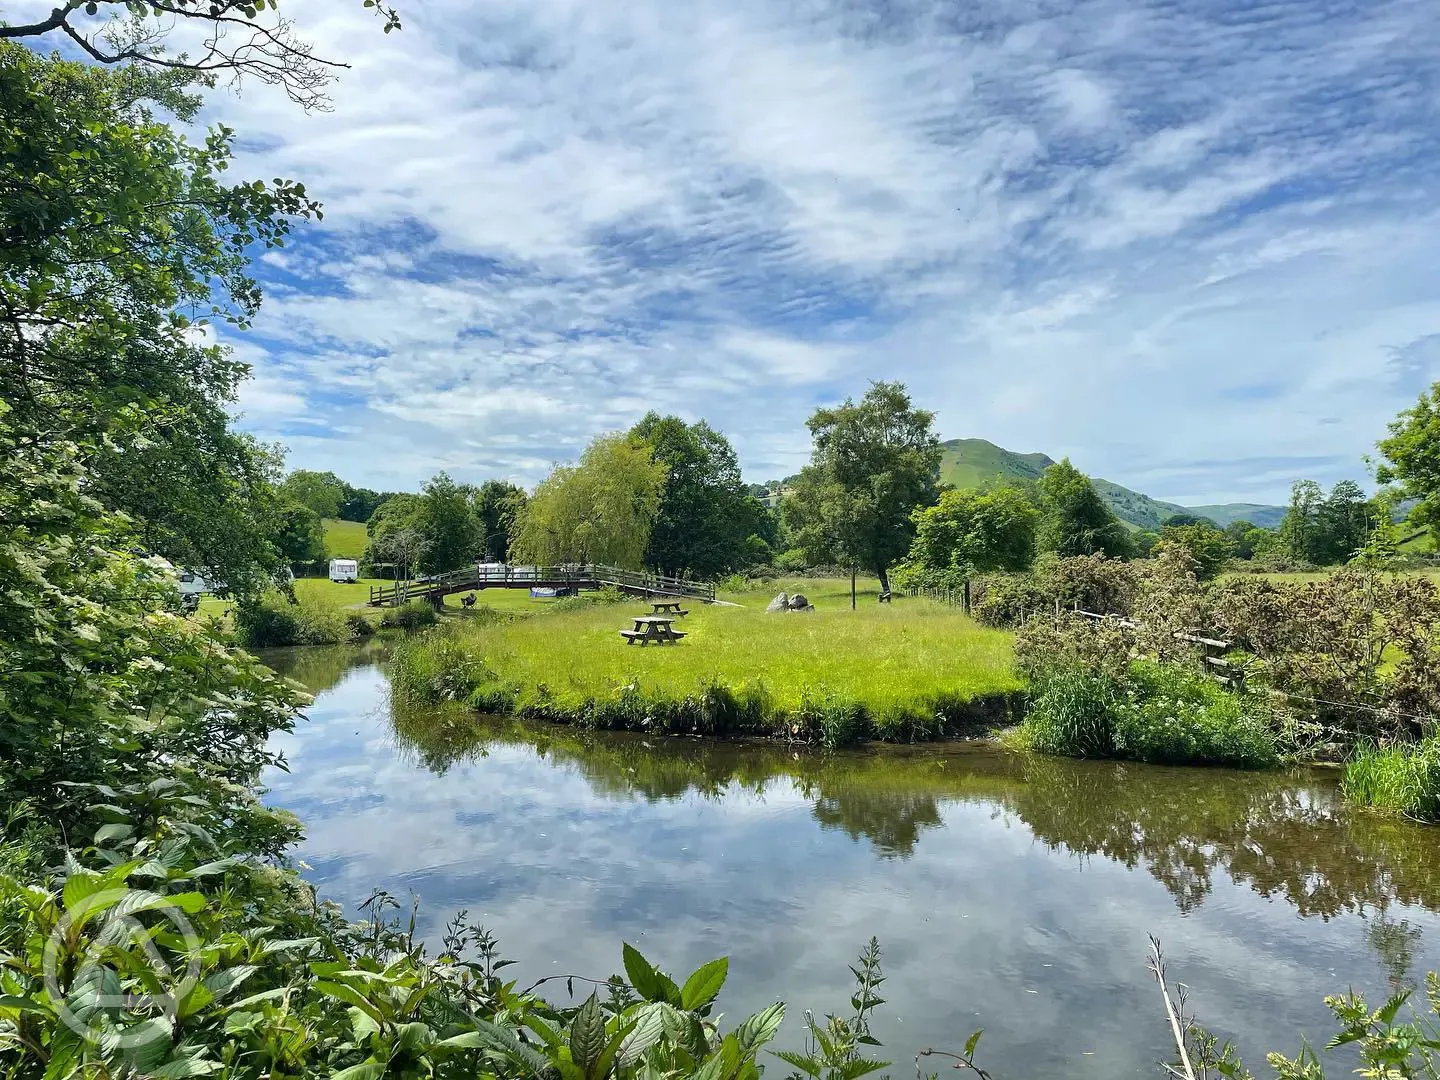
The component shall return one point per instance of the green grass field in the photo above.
(907, 669)
(344, 539)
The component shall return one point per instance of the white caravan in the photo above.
(344, 570)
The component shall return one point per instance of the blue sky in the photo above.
(1193, 246)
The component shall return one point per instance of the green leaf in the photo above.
(644, 978)
(114, 831)
(809, 1066)
(369, 1070)
(759, 1029)
(221, 983)
(587, 1034)
(859, 1067)
(350, 996)
(972, 1042)
(704, 985)
(179, 1068)
(649, 1026)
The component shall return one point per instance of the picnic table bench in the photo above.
(656, 628)
(667, 607)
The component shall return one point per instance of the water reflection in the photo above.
(1285, 835)
(1007, 892)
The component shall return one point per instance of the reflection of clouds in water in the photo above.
(565, 866)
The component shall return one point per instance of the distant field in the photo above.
(344, 539)
(335, 592)
(1315, 575)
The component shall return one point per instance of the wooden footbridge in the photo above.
(575, 577)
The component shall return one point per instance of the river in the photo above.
(1007, 893)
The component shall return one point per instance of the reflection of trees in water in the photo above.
(891, 820)
(319, 668)
(1281, 835)
(1395, 944)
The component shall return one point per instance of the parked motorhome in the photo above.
(344, 570)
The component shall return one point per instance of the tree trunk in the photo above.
(852, 588)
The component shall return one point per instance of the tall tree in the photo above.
(322, 492)
(447, 519)
(970, 531)
(870, 466)
(115, 231)
(600, 510)
(298, 534)
(705, 515)
(1299, 531)
(1074, 519)
(1346, 518)
(1411, 457)
(1207, 545)
(498, 507)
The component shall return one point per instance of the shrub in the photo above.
(1173, 716)
(1404, 779)
(275, 620)
(1155, 713)
(608, 594)
(435, 667)
(1090, 582)
(411, 615)
(358, 625)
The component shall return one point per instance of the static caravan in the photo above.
(344, 570)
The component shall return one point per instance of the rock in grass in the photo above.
(780, 603)
(798, 602)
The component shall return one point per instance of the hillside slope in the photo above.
(977, 463)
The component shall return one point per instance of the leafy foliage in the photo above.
(706, 516)
(1411, 456)
(970, 532)
(1074, 519)
(601, 510)
(871, 466)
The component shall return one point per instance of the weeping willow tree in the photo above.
(599, 510)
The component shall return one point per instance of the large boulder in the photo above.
(780, 603)
(799, 603)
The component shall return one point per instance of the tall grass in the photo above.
(1155, 713)
(912, 670)
(1401, 779)
(274, 620)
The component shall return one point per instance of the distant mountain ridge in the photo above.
(978, 463)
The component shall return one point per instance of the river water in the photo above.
(1007, 893)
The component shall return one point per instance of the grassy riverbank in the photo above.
(910, 670)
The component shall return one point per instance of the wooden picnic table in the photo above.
(667, 607)
(656, 628)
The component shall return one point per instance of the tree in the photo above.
(448, 522)
(1411, 457)
(871, 465)
(1207, 546)
(235, 39)
(601, 510)
(706, 514)
(298, 535)
(1074, 519)
(498, 506)
(1187, 519)
(323, 492)
(975, 532)
(1302, 520)
(1346, 518)
(1242, 544)
(115, 233)
(359, 503)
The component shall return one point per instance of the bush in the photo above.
(1155, 713)
(1404, 779)
(608, 594)
(411, 615)
(276, 620)
(1090, 582)
(1071, 713)
(435, 667)
(358, 625)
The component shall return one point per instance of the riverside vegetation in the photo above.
(897, 673)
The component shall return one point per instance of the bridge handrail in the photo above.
(493, 574)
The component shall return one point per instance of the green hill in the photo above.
(976, 463)
(344, 539)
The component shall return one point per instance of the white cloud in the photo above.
(1143, 235)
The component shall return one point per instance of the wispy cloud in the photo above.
(1082, 228)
